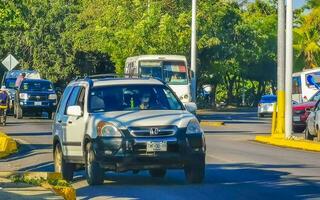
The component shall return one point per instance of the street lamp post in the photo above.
(194, 50)
(289, 64)
(279, 130)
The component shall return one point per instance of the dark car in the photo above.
(35, 96)
(300, 115)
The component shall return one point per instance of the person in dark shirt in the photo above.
(4, 98)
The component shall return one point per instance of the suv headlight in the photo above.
(52, 97)
(108, 130)
(193, 127)
(23, 96)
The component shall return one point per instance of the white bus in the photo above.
(172, 69)
(302, 89)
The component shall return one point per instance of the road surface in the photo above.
(237, 167)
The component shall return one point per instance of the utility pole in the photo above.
(194, 50)
(279, 130)
(289, 61)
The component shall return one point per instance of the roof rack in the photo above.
(99, 76)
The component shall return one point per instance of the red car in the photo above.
(300, 115)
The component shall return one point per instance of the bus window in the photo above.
(316, 77)
(296, 85)
(151, 69)
(175, 72)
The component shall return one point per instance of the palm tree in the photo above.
(307, 39)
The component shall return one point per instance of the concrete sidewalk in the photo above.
(22, 191)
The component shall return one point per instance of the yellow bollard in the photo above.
(274, 119)
(279, 129)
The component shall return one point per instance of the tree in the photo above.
(307, 40)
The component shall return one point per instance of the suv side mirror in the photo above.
(191, 107)
(74, 111)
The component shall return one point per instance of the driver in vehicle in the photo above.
(145, 101)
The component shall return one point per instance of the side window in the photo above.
(81, 98)
(296, 85)
(72, 98)
(316, 97)
(318, 106)
(64, 99)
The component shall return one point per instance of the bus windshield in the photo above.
(172, 72)
(151, 69)
(175, 72)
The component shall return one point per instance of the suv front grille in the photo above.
(153, 131)
(38, 97)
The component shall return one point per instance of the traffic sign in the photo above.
(10, 62)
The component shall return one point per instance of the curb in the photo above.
(212, 123)
(7, 145)
(295, 144)
(66, 192)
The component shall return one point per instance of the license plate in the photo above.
(296, 118)
(156, 146)
(37, 103)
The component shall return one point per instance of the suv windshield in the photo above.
(10, 83)
(36, 86)
(132, 97)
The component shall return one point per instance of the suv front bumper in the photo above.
(121, 154)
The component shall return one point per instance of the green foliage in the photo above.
(20, 178)
(65, 38)
(307, 39)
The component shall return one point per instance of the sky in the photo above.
(298, 3)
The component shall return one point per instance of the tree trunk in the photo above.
(213, 96)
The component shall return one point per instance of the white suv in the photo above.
(110, 124)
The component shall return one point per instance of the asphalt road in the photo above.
(237, 167)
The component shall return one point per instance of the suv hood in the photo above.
(38, 92)
(125, 119)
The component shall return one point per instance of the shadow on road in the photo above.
(235, 117)
(223, 181)
(31, 134)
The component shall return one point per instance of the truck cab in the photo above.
(35, 96)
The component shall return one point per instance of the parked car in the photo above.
(313, 123)
(34, 97)
(300, 115)
(266, 105)
(126, 125)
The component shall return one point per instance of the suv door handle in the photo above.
(69, 122)
(59, 121)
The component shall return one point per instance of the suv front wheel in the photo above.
(61, 166)
(94, 173)
(195, 171)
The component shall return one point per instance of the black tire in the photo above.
(157, 173)
(307, 135)
(195, 171)
(297, 130)
(60, 165)
(94, 172)
(19, 112)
